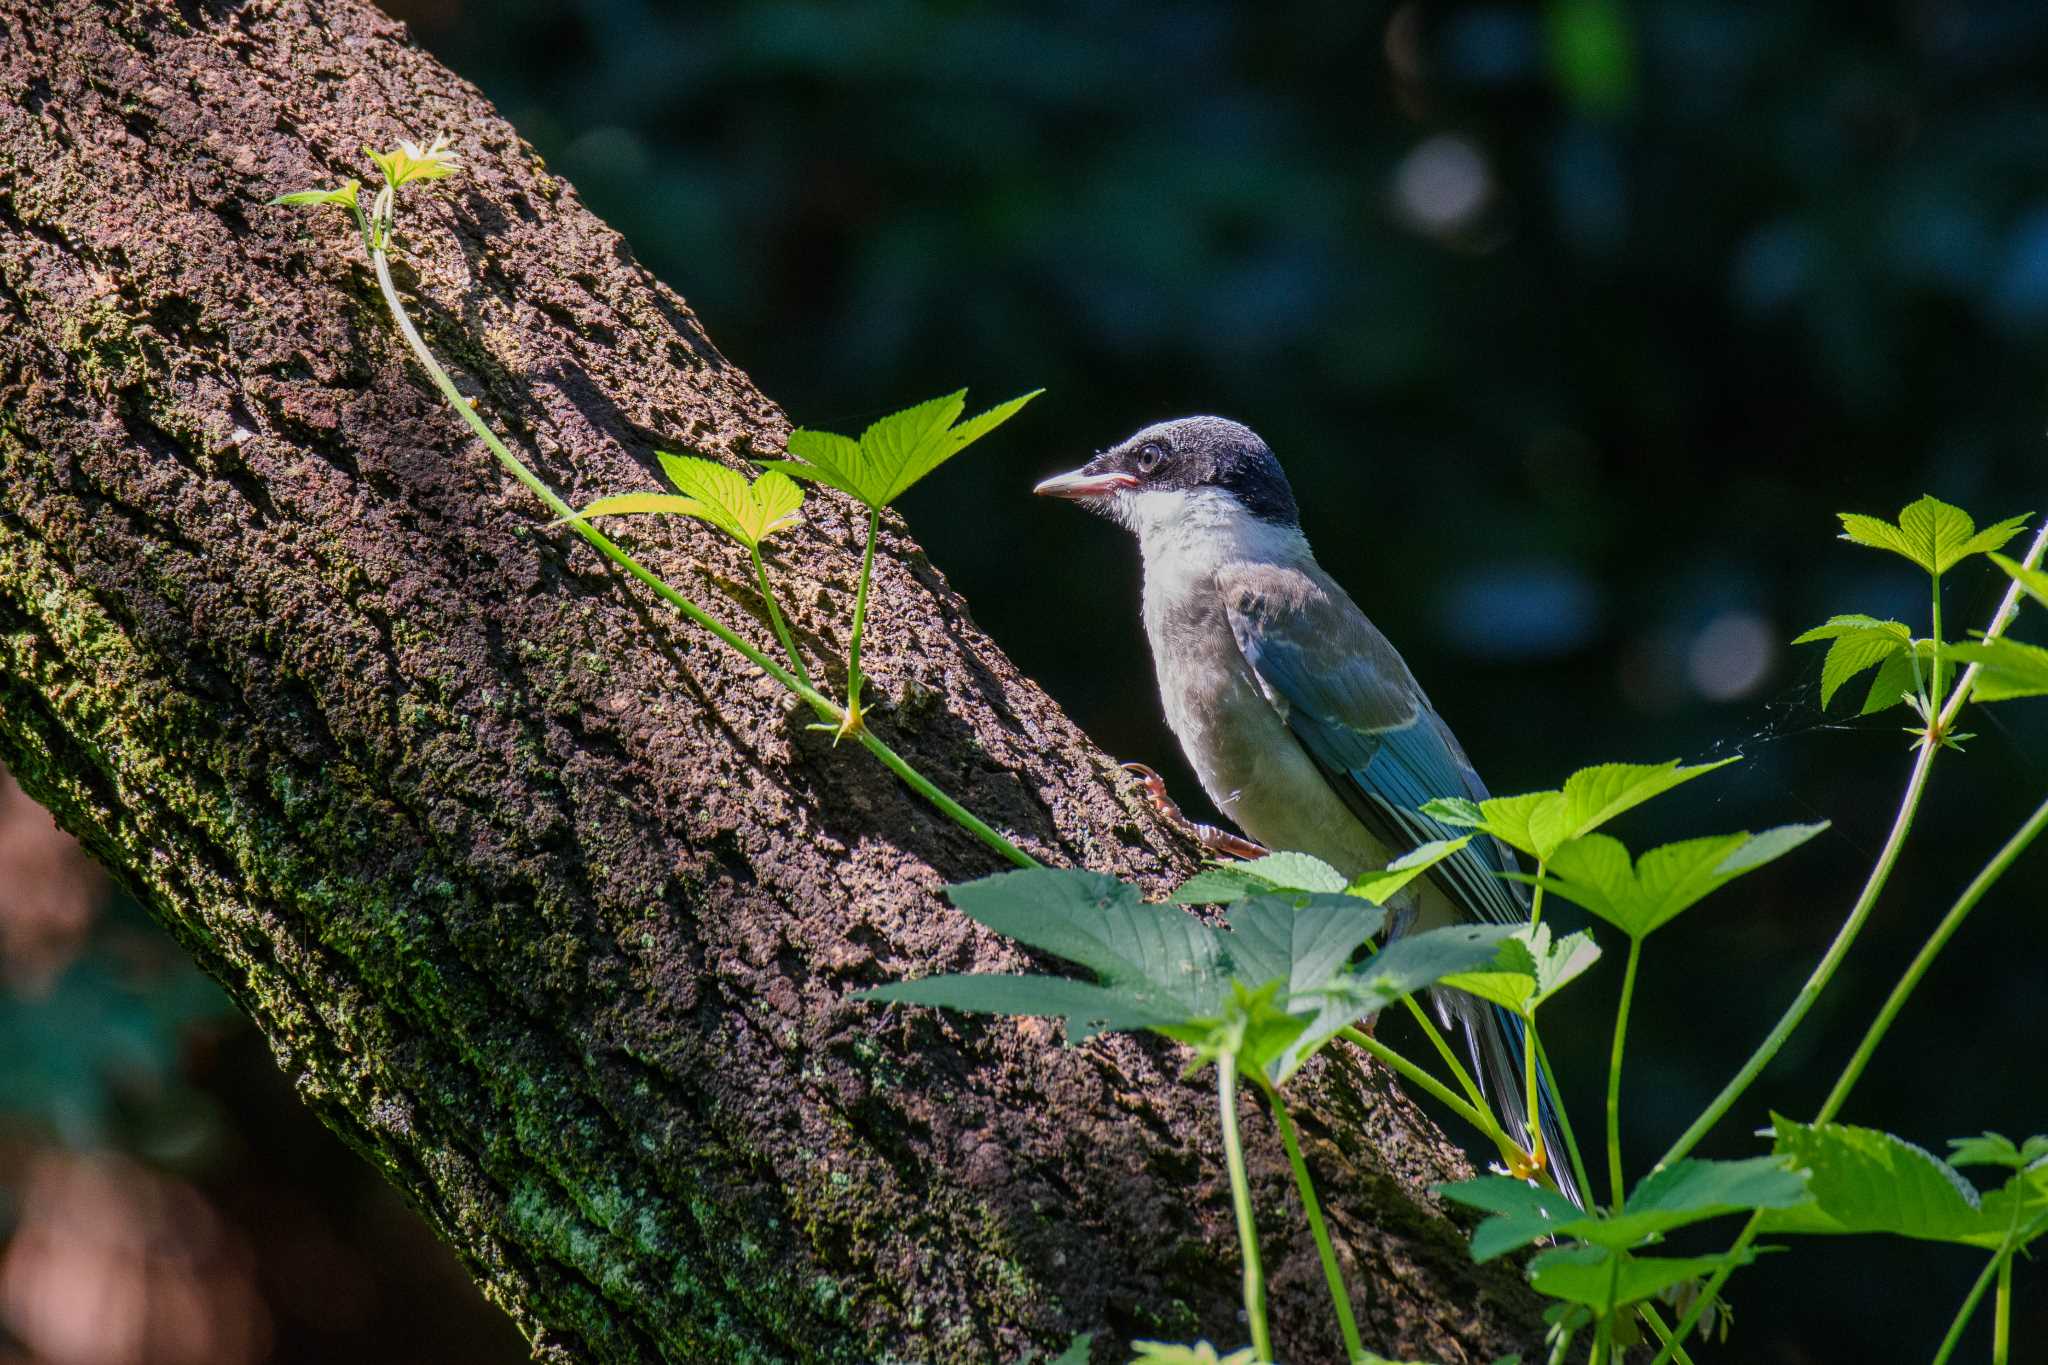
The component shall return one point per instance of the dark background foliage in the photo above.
(1574, 324)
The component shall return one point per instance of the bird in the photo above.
(1301, 720)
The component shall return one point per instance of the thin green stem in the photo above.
(1822, 973)
(1241, 1202)
(1564, 1117)
(775, 616)
(825, 707)
(1961, 1321)
(1934, 688)
(945, 804)
(1986, 877)
(1691, 1318)
(860, 613)
(1628, 991)
(1533, 1114)
(1476, 1115)
(1333, 1274)
(2001, 1313)
(1656, 1321)
(1445, 1051)
(1603, 1330)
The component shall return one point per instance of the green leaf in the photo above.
(1301, 942)
(2034, 581)
(1230, 882)
(1537, 823)
(1863, 1180)
(895, 452)
(2010, 669)
(1604, 1280)
(1529, 968)
(343, 194)
(1594, 871)
(1414, 961)
(1897, 678)
(1201, 1353)
(409, 161)
(1931, 533)
(1272, 988)
(1854, 651)
(1522, 1213)
(748, 512)
(1996, 1149)
(1076, 1352)
(1593, 796)
(1382, 886)
(1100, 923)
(1086, 1008)
(1305, 944)
(623, 504)
(1681, 1194)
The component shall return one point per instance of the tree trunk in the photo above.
(548, 903)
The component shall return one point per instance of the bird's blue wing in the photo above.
(1356, 710)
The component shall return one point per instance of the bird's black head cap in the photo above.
(1185, 454)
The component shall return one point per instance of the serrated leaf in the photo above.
(1594, 871)
(1604, 1280)
(1529, 968)
(1855, 651)
(1305, 943)
(1677, 1196)
(1231, 882)
(1995, 1149)
(1382, 886)
(1296, 872)
(1897, 678)
(2009, 668)
(1403, 967)
(1225, 885)
(896, 451)
(1276, 981)
(1085, 1007)
(1863, 1180)
(1837, 626)
(343, 194)
(1593, 796)
(623, 504)
(2033, 581)
(1100, 923)
(1933, 534)
(1301, 941)
(749, 512)
(1201, 1353)
(1522, 1213)
(1538, 823)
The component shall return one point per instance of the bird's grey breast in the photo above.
(1235, 734)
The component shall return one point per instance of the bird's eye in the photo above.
(1149, 456)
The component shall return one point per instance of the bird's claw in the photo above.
(1212, 839)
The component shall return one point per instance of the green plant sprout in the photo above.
(890, 457)
(409, 163)
(1256, 998)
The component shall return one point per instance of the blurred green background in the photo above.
(1573, 324)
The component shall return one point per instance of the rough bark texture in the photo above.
(548, 904)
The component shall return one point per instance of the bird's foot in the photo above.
(1212, 839)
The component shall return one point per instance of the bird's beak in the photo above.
(1080, 485)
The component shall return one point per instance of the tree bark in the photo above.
(549, 904)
